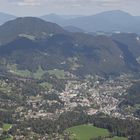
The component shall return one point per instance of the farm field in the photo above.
(86, 132)
(119, 138)
(7, 127)
(26, 73)
(60, 74)
(10, 138)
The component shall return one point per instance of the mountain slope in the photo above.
(28, 27)
(131, 40)
(77, 54)
(30, 43)
(5, 17)
(54, 18)
(73, 29)
(59, 19)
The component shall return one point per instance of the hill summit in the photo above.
(30, 27)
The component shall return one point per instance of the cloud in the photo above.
(26, 2)
(109, 3)
(74, 3)
(37, 7)
(89, 3)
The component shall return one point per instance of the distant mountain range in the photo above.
(109, 21)
(73, 29)
(32, 42)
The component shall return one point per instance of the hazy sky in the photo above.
(78, 7)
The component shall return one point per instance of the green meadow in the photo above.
(86, 132)
(60, 74)
(119, 138)
(6, 127)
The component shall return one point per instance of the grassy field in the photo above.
(60, 74)
(86, 132)
(6, 127)
(27, 36)
(13, 69)
(39, 73)
(26, 73)
(11, 138)
(119, 138)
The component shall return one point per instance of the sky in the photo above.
(67, 7)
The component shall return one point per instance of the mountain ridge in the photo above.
(108, 21)
(31, 43)
(30, 26)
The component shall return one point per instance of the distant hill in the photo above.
(110, 21)
(73, 29)
(106, 21)
(55, 18)
(6, 17)
(31, 43)
(30, 27)
(78, 54)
